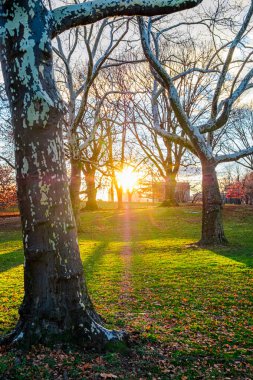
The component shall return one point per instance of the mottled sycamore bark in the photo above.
(56, 305)
(212, 224)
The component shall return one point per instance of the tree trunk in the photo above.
(91, 204)
(170, 191)
(56, 306)
(212, 224)
(129, 196)
(112, 192)
(119, 191)
(74, 187)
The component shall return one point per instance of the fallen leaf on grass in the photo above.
(99, 360)
(108, 376)
(87, 366)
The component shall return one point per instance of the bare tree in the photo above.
(56, 304)
(97, 42)
(117, 120)
(117, 154)
(231, 79)
(153, 112)
(92, 156)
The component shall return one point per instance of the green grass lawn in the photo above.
(188, 310)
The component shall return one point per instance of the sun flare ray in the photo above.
(127, 179)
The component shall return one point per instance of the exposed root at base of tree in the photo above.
(211, 243)
(92, 336)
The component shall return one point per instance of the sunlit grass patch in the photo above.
(11, 278)
(104, 276)
(11, 295)
(197, 298)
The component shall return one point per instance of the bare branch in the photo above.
(196, 138)
(234, 156)
(69, 16)
(228, 60)
(7, 162)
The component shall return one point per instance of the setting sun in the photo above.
(128, 179)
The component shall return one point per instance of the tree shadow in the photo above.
(94, 257)
(11, 260)
(239, 253)
(15, 258)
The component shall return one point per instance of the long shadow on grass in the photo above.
(11, 260)
(94, 258)
(240, 254)
(11, 237)
(100, 227)
(15, 258)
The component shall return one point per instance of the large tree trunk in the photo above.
(119, 191)
(91, 204)
(212, 224)
(129, 196)
(74, 187)
(56, 305)
(170, 191)
(112, 192)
